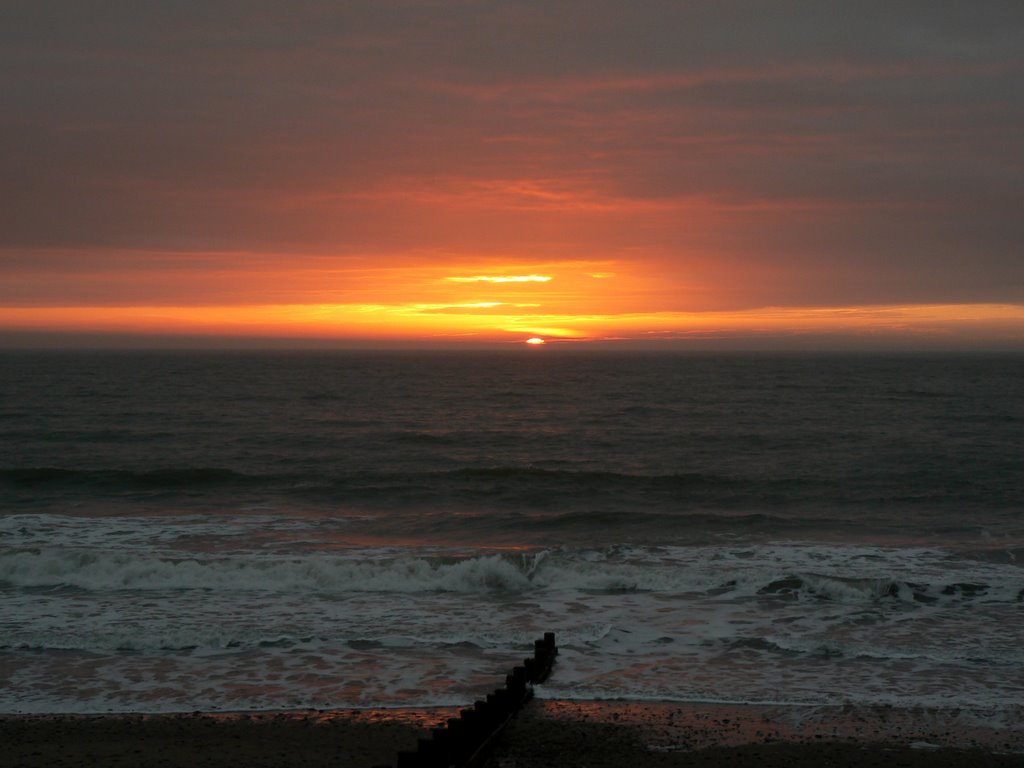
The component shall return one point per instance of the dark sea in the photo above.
(260, 531)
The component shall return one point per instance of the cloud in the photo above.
(714, 155)
(501, 279)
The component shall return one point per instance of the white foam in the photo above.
(105, 571)
(237, 628)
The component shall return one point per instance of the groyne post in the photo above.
(465, 740)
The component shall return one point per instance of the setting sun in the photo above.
(536, 341)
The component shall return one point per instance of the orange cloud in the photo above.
(501, 279)
(496, 322)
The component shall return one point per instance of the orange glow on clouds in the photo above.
(497, 322)
(660, 178)
(501, 279)
(486, 301)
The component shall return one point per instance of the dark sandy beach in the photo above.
(356, 738)
(545, 733)
(660, 735)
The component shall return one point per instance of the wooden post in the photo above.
(465, 741)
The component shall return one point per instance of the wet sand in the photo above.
(545, 733)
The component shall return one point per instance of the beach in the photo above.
(356, 738)
(606, 734)
(544, 733)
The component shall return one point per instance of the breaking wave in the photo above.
(408, 572)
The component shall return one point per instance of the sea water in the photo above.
(239, 531)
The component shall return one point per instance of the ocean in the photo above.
(225, 531)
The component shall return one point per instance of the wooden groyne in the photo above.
(465, 741)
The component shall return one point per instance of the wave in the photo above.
(33, 477)
(683, 479)
(98, 571)
(27, 477)
(159, 636)
(638, 519)
(855, 590)
(837, 589)
(795, 646)
(514, 488)
(136, 639)
(589, 571)
(915, 394)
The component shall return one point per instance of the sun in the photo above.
(536, 341)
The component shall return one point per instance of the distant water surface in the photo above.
(186, 531)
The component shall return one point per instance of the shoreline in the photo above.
(545, 732)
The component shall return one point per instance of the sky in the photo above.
(447, 172)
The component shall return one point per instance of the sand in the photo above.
(357, 738)
(545, 733)
(661, 735)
